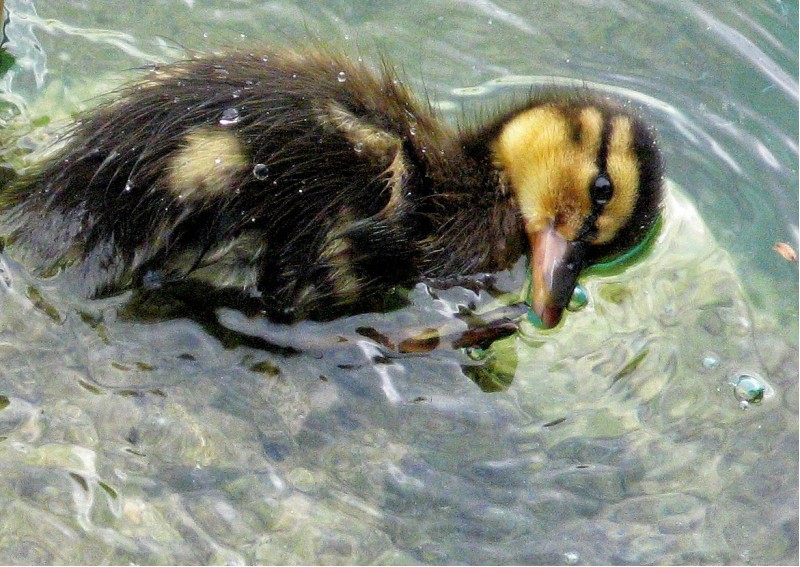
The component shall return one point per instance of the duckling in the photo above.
(317, 184)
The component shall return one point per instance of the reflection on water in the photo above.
(658, 424)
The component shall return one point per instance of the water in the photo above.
(129, 435)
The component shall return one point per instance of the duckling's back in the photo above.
(281, 173)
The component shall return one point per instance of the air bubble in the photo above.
(477, 353)
(710, 361)
(748, 387)
(579, 299)
(358, 147)
(229, 116)
(260, 171)
(128, 187)
(341, 77)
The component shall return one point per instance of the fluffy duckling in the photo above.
(319, 185)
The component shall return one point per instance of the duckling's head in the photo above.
(587, 177)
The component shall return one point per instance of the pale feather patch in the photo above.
(337, 256)
(209, 164)
(365, 137)
(623, 168)
(233, 263)
(396, 175)
(158, 75)
(375, 144)
(591, 121)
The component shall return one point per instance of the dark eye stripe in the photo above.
(605, 137)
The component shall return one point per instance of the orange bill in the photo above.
(555, 265)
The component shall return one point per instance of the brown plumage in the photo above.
(318, 184)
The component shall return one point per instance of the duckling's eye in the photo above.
(601, 190)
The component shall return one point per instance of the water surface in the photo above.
(617, 438)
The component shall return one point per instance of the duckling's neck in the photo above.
(474, 221)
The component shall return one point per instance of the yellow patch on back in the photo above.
(549, 168)
(623, 169)
(209, 164)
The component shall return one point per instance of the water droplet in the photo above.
(412, 130)
(341, 77)
(358, 147)
(229, 116)
(579, 300)
(128, 186)
(748, 387)
(260, 171)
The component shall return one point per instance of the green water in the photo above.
(620, 437)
